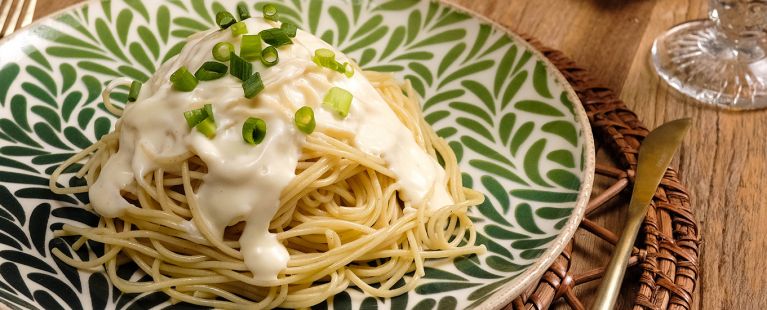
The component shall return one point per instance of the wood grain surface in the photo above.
(722, 162)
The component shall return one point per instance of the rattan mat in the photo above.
(665, 258)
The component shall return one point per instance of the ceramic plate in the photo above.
(517, 128)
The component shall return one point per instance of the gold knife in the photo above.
(655, 155)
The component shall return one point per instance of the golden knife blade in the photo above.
(655, 155)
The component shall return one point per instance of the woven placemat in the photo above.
(666, 253)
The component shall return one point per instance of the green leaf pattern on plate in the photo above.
(509, 121)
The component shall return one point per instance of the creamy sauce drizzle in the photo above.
(244, 182)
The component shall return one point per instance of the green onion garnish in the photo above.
(275, 37)
(290, 29)
(242, 11)
(250, 49)
(207, 127)
(240, 68)
(135, 89)
(222, 50)
(183, 80)
(269, 56)
(325, 58)
(225, 19)
(208, 108)
(304, 120)
(270, 12)
(338, 100)
(254, 130)
(211, 70)
(348, 70)
(239, 28)
(253, 85)
(194, 117)
(202, 119)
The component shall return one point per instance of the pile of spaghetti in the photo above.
(342, 219)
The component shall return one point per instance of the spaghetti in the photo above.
(340, 219)
(344, 220)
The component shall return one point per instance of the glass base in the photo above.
(694, 60)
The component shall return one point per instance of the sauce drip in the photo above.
(244, 182)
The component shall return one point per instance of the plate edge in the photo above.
(566, 234)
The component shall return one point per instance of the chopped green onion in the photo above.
(253, 85)
(202, 119)
(222, 50)
(211, 70)
(225, 19)
(239, 28)
(275, 37)
(208, 108)
(269, 56)
(183, 80)
(242, 11)
(250, 49)
(270, 12)
(194, 117)
(348, 70)
(290, 29)
(135, 89)
(304, 120)
(338, 100)
(254, 130)
(207, 127)
(325, 58)
(240, 68)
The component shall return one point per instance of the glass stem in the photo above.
(740, 27)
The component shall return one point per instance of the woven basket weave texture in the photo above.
(667, 250)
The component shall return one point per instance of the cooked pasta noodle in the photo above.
(341, 219)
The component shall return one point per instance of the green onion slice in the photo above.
(275, 37)
(225, 19)
(304, 120)
(135, 89)
(240, 68)
(254, 131)
(269, 56)
(290, 29)
(253, 85)
(222, 50)
(239, 28)
(338, 100)
(183, 80)
(207, 127)
(194, 117)
(211, 70)
(242, 11)
(325, 58)
(270, 12)
(250, 49)
(208, 108)
(202, 119)
(348, 70)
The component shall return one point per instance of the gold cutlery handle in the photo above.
(655, 155)
(610, 287)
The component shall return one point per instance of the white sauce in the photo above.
(244, 182)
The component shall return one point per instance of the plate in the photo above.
(519, 132)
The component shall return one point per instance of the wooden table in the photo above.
(723, 160)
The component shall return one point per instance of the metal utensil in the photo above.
(655, 155)
(15, 14)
